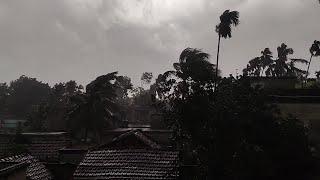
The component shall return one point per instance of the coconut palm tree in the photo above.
(283, 65)
(194, 64)
(314, 51)
(258, 65)
(192, 70)
(266, 59)
(95, 109)
(224, 30)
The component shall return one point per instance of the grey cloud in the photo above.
(81, 39)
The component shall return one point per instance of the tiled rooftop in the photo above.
(40, 145)
(134, 139)
(35, 170)
(129, 164)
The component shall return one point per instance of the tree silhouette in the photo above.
(146, 78)
(95, 109)
(281, 66)
(314, 52)
(258, 65)
(4, 94)
(224, 29)
(24, 93)
(236, 136)
(193, 68)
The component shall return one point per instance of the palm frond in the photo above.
(295, 60)
(193, 54)
(234, 16)
(315, 48)
(227, 19)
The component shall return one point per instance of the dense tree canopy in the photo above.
(4, 93)
(146, 77)
(97, 108)
(24, 93)
(232, 132)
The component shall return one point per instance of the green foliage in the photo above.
(19, 144)
(227, 19)
(146, 78)
(37, 116)
(4, 94)
(24, 93)
(192, 71)
(315, 52)
(278, 67)
(123, 84)
(231, 132)
(315, 48)
(224, 29)
(96, 109)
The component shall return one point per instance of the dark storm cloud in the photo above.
(81, 39)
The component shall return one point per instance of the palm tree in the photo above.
(314, 51)
(227, 19)
(192, 70)
(283, 65)
(194, 64)
(95, 109)
(278, 67)
(258, 65)
(266, 59)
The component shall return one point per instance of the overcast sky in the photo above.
(61, 40)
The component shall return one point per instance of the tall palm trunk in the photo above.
(309, 65)
(217, 63)
(308, 68)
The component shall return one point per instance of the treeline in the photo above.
(226, 129)
(103, 103)
(223, 127)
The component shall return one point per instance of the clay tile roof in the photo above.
(47, 145)
(131, 139)
(129, 164)
(35, 170)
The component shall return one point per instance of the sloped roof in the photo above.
(130, 140)
(43, 146)
(46, 145)
(10, 168)
(35, 170)
(129, 164)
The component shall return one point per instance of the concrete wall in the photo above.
(309, 113)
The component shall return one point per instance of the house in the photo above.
(35, 170)
(134, 139)
(42, 145)
(162, 136)
(303, 104)
(13, 171)
(274, 82)
(129, 164)
(46, 145)
(132, 155)
(10, 124)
